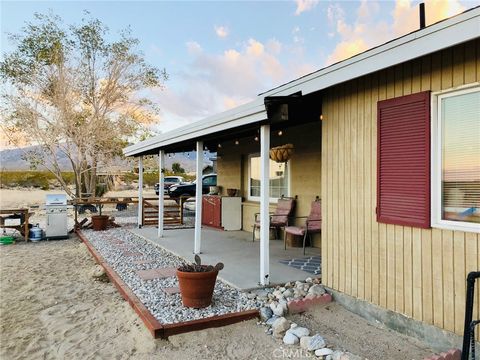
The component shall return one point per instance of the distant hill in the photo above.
(11, 159)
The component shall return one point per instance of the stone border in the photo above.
(157, 329)
(453, 354)
(302, 305)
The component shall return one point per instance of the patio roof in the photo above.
(444, 34)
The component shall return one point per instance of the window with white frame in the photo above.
(279, 178)
(456, 159)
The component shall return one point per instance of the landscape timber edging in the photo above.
(157, 329)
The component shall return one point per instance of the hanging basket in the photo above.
(281, 154)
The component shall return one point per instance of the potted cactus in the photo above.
(196, 283)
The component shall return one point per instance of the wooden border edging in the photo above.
(157, 329)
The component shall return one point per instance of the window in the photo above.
(210, 181)
(456, 159)
(279, 178)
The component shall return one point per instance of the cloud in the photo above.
(221, 31)
(214, 82)
(305, 5)
(366, 31)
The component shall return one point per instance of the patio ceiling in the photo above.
(279, 111)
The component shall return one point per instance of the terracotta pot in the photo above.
(196, 288)
(99, 222)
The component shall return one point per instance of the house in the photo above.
(390, 141)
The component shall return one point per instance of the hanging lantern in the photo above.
(281, 154)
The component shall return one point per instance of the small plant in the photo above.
(198, 267)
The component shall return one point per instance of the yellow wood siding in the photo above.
(417, 272)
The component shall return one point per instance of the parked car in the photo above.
(169, 181)
(176, 191)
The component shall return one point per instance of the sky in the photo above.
(221, 54)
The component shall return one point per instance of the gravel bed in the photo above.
(165, 308)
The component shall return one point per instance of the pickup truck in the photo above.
(176, 191)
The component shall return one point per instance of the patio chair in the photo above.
(313, 224)
(278, 219)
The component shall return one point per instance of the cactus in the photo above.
(198, 267)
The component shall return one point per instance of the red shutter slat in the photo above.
(403, 170)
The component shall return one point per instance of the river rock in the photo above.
(290, 339)
(316, 342)
(316, 290)
(265, 313)
(300, 331)
(270, 321)
(288, 293)
(323, 352)
(98, 273)
(280, 326)
(277, 309)
(304, 341)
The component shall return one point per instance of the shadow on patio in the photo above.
(236, 250)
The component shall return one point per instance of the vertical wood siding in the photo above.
(417, 272)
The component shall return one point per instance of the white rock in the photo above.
(316, 342)
(308, 280)
(298, 284)
(290, 339)
(300, 331)
(279, 326)
(293, 325)
(278, 310)
(323, 352)
(288, 293)
(316, 290)
(251, 295)
(329, 357)
(289, 285)
(304, 341)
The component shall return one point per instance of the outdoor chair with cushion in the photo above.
(279, 219)
(313, 224)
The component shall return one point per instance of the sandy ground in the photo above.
(14, 198)
(51, 308)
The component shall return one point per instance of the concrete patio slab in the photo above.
(236, 250)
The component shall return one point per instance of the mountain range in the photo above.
(11, 159)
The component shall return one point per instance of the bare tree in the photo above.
(75, 94)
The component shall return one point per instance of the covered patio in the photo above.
(237, 251)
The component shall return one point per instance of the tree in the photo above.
(177, 169)
(74, 93)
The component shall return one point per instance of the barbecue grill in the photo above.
(57, 218)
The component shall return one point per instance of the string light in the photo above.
(280, 132)
(256, 138)
(237, 142)
(219, 146)
(321, 116)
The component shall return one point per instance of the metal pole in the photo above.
(198, 199)
(161, 199)
(264, 204)
(140, 191)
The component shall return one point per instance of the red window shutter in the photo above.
(403, 164)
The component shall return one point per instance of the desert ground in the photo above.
(52, 308)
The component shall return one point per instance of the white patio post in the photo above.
(198, 199)
(140, 191)
(264, 204)
(161, 199)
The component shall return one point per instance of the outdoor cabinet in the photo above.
(212, 211)
(222, 212)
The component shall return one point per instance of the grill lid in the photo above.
(56, 199)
